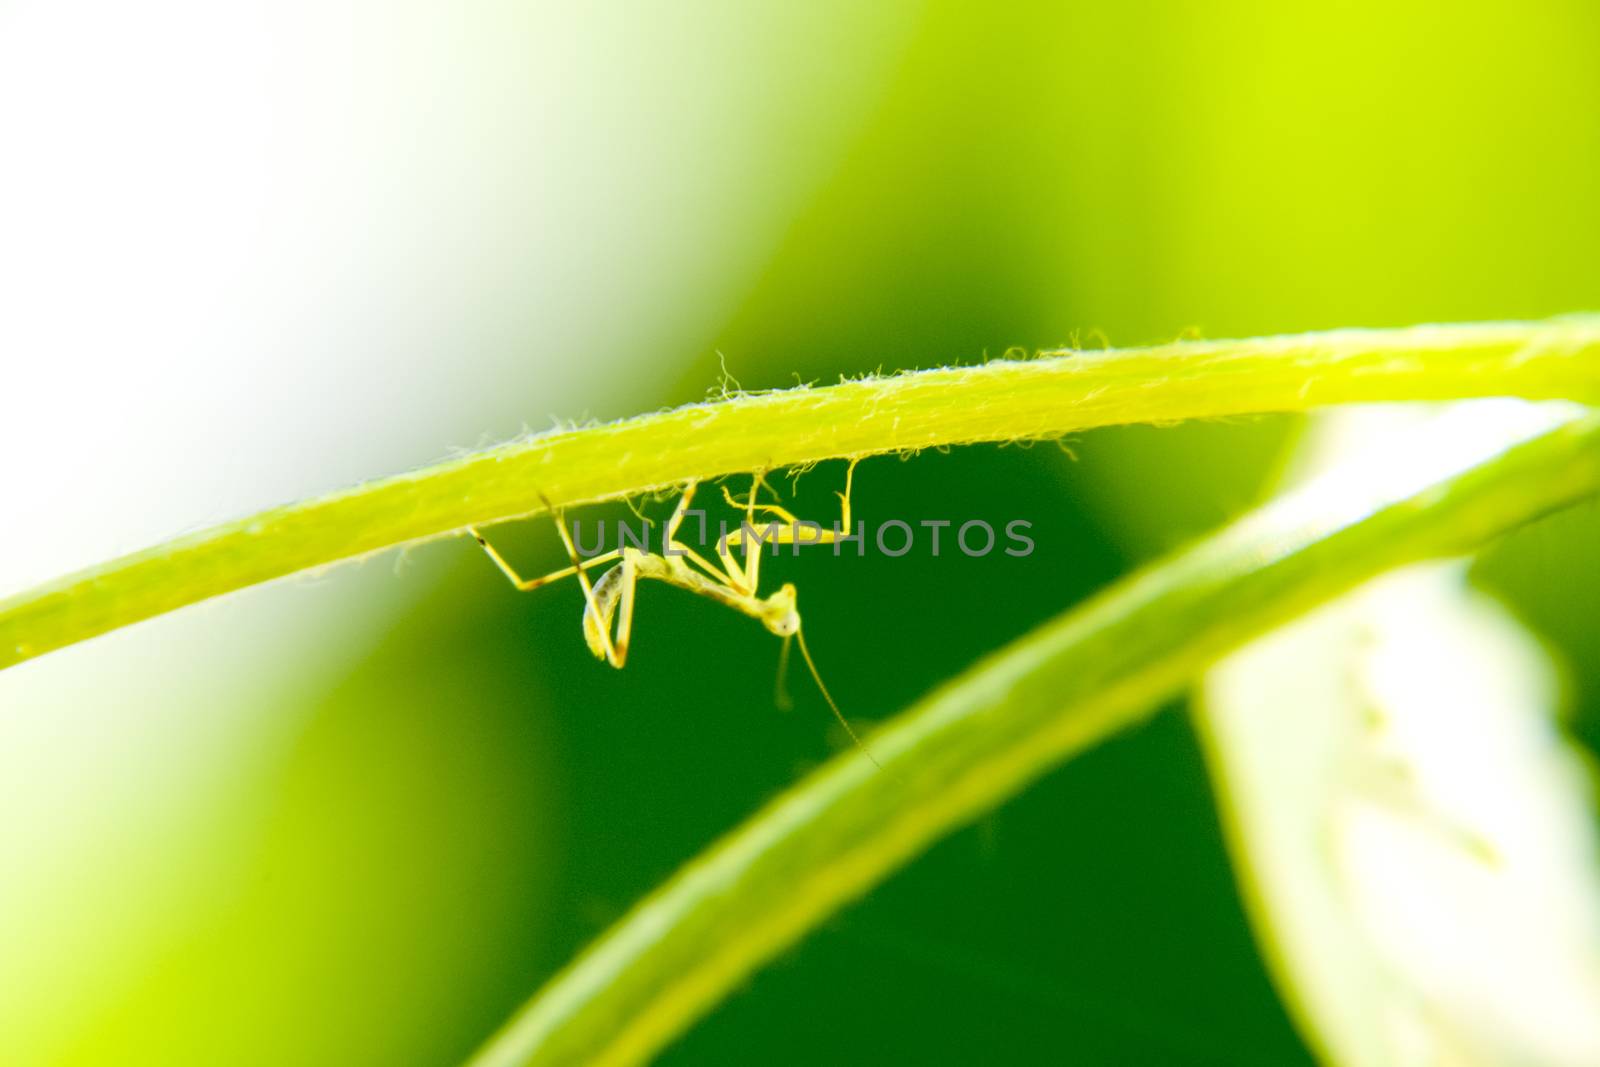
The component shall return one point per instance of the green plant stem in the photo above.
(1000, 401)
(985, 735)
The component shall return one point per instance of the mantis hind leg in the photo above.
(844, 497)
(527, 584)
(599, 637)
(681, 510)
(716, 573)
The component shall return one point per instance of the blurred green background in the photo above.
(357, 819)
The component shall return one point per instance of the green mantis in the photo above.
(732, 579)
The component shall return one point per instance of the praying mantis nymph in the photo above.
(608, 602)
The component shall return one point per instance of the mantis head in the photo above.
(778, 612)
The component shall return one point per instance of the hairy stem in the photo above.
(1055, 394)
(983, 736)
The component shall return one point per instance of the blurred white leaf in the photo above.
(1412, 831)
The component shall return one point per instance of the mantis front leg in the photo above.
(613, 597)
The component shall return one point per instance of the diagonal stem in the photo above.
(986, 734)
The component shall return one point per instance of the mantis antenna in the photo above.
(608, 603)
(837, 714)
(780, 691)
